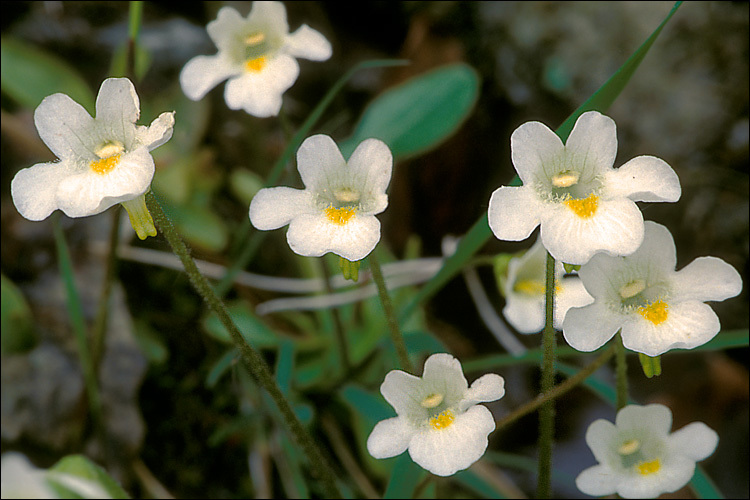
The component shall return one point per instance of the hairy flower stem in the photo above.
(558, 390)
(385, 299)
(622, 372)
(251, 358)
(547, 410)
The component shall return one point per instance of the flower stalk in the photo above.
(622, 373)
(251, 358)
(547, 410)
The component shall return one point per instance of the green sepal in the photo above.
(349, 269)
(569, 268)
(651, 366)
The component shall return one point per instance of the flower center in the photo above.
(632, 289)
(340, 215)
(566, 179)
(584, 207)
(441, 421)
(432, 400)
(655, 312)
(256, 49)
(109, 156)
(646, 468)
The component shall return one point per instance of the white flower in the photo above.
(257, 55)
(657, 308)
(524, 291)
(336, 210)
(103, 160)
(639, 458)
(21, 479)
(438, 420)
(584, 206)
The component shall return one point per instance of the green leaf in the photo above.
(220, 367)
(477, 484)
(29, 75)
(253, 330)
(417, 115)
(82, 467)
(17, 334)
(480, 232)
(405, 478)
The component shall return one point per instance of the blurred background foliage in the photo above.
(181, 418)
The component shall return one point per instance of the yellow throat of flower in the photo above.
(341, 215)
(255, 50)
(109, 156)
(256, 64)
(646, 468)
(442, 421)
(584, 207)
(655, 312)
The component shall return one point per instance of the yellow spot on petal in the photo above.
(629, 447)
(104, 165)
(565, 179)
(432, 400)
(632, 289)
(339, 215)
(440, 422)
(585, 207)
(256, 64)
(646, 468)
(529, 287)
(656, 312)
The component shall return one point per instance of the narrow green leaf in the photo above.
(405, 478)
(220, 367)
(477, 484)
(254, 330)
(417, 115)
(285, 365)
(81, 467)
(29, 74)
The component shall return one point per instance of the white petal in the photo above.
(488, 387)
(657, 248)
(202, 73)
(594, 137)
(707, 278)
(447, 451)
(259, 92)
(615, 228)
(600, 435)
(319, 158)
(588, 328)
(514, 213)
(89, 193)
(533, 145)
(595, 275)
(571, 294)
(371, 164)
(308, 44)
(688, 325)
(156, 134)
(34, 189)
(227, 25)
(597, 481)
(525, 314)
(65, 127)
(272, 208)
(696, 441)
(315, 235)
(389, 438)
(675, 473)
(644, 178)
(117, 110)
(404, 392)
(656, 417)
(443, 374)
(272, 14)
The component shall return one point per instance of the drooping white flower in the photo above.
(583, 205)
(524, 291)
(439, 420)
(257, 54)
(102, 161)
(657, 308)
(336, 210)
(639, 458)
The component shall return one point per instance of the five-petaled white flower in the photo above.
(583, 205)
(103, 160)
(439, 420)
(257, 55)
(524, 291)
(336, 210)
(639, 458)
(657, 308)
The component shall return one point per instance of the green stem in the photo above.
(134, 27)
(558, 390)
(75, 310)
(385, 299)
(251, 358)
(102, 313)
(622, 372)
(547, 409)
(338, 326)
